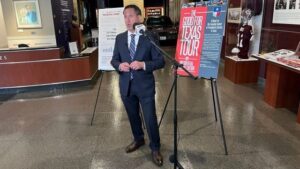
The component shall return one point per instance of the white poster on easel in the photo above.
(111, 23)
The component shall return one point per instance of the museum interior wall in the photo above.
(34, 37)
(46, 60)
(3, 40)
(280, 29)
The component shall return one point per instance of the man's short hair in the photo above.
(136, 9)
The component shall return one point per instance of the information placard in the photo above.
(213, 38)
(200, 39)
(111, 23)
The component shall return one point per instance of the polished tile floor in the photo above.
(51, 129)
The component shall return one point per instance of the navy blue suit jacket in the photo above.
(145, 52)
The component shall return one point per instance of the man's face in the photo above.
(130, 18)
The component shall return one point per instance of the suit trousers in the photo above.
(132, 104)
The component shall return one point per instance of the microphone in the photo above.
(139, 28)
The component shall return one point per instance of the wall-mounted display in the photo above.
(28, 14)
(287, 12)
(154, 11)
(234, 15)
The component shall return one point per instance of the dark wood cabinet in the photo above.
(241, 71)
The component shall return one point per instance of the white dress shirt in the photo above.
(136, 40)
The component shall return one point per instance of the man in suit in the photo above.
(135, 59)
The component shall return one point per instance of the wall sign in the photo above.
(154, 11)
(286, 12)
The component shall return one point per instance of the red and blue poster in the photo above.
(190, 39)
(200, 39)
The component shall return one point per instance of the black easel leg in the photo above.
(163, 114)
(101, 77)
(220, 115)
(175, 122)
(214, 100)
(174, 158)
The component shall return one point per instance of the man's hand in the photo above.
(124, 67)
(136, 65)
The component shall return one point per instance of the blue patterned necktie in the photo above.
(132, 46)
(132, 50)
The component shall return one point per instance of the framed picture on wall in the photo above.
(286, 12)
(27, 13)
(234, 15)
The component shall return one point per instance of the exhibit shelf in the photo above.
(241, 70)
(282, 84)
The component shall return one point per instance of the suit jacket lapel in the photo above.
(125, 43)
(138, 56)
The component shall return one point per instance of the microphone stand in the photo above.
(173, 158)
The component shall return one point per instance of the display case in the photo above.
(282, 81)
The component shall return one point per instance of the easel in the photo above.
(216, 103)
(95, 106)
(101, 77)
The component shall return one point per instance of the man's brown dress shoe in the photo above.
(134, 146)
(157, 158)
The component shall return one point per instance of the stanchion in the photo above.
(174, 157)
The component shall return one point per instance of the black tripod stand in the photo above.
(216, 103)
(173, 158)
(95, 106)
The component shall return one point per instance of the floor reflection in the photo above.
(51, 128)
